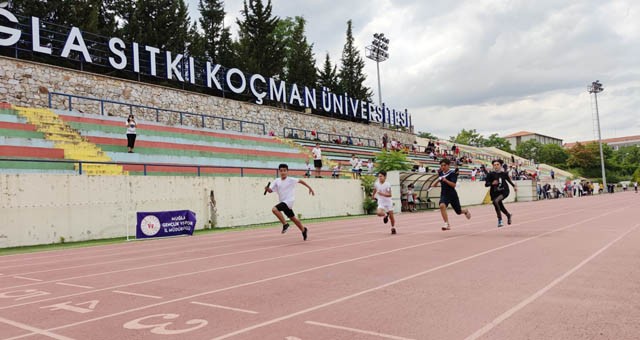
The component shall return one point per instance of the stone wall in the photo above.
(28, 84)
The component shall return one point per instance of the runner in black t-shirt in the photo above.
(448, 195)
(497, 180)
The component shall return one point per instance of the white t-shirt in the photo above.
(131, 128)
(385, 188)
(286, 190)
(354, 162)
(422, 169)
(317, 153)
(474, 172)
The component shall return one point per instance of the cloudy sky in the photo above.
(498, 66)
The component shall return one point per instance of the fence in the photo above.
(183, 115)
(288, 132)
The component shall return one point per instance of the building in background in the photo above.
(614, 143)
(519, 137)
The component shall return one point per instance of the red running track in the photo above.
(566, 269)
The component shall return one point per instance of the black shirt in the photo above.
(446, 190)
(503, 179)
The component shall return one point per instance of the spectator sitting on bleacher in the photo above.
(350, 136)
(421, 168)
(336, 171)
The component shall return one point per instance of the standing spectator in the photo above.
(359, 168)
(635, 186)
(354, 165)
(553, 174)
(131, 133)
(411, 202)
(370, 167)
(474, 172)
(385, 141)
(403, 197)
(317, 159)
(350, 136)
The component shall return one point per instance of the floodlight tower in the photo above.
(378, 52)
(595, 88)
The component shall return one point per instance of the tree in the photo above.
(468, 137)
(159, 23)
(300, 61)
(328, 76)
(553, 154)
(392, 160)
(427, 135)
(227, 55)
(94, 16)
(351, 74)
(259, 51)
(212, 23)
(498, 142)
(196, 46)
(529, 149)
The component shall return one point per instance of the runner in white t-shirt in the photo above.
(286, 188)
(382, 192)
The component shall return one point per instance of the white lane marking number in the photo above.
(161, 328)
(18, 295)
(77, 308)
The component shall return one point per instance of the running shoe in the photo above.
(446, 227)
(468, 214)
(393, 231)
(500, 224)
(285, 227)
(385, 219)
(304, 234)
(509, 219)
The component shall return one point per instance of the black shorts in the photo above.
(454, 201)
(317, 163)
(495, 193)
(285, 209)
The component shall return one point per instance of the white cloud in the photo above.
(493, 65)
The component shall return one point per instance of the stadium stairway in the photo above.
(170, 150)
(64, 137)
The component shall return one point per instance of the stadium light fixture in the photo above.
(378, 51)
(595, 88)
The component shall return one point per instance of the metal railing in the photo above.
(182, 114)
(149, 167)
(296, 133)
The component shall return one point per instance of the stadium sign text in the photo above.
(183, 69)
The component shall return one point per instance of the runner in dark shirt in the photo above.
(499, 190)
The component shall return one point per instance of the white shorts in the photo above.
(386, 206)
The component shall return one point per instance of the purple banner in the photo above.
(165, 223)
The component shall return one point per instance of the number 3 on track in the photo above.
(161, 328)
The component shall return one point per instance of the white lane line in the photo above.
(73, 285)
(406, 278)
(137, 294)
(491, 325)
(355, 330)
(296, 273)
(34, 329)
(181, 261)
(224, 307)
(27, 278)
